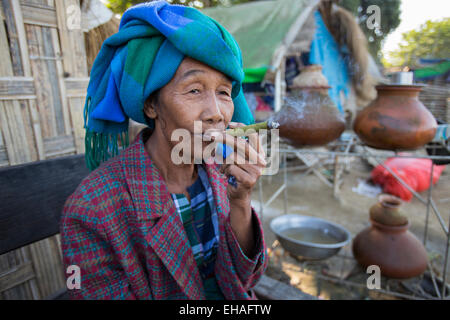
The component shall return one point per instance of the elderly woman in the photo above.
(141, 225)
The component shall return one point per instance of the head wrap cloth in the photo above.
(142, 57)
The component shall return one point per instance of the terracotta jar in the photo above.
(387, 211)
(309, 117)
(397, 252)
(396, 119)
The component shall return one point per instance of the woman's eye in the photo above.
(194, 91)
(225, 93)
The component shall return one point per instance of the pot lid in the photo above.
(311, 77)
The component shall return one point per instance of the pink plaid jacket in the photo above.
(121, 228)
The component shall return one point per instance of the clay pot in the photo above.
(387, 211)
(397, 252)
(396, 119)
(309, 117)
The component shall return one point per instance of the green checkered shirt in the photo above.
(201, 224)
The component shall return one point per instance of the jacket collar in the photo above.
(159, 223)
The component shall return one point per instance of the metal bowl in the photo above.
(305, 249)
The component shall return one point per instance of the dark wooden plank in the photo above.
(62, 294)
(32, 197)
(270, 289)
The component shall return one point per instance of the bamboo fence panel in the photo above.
(435, 98)
(43, 81)
(5, 69)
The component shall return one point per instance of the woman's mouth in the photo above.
(208, 134)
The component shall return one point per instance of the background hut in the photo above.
(276, 38)
(435, 74)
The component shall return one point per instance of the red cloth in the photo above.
(121, 228)
(414, 172)
(262, 106)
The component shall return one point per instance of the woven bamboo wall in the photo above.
(436, 99)
(43, 81)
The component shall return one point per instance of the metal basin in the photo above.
(309, 238)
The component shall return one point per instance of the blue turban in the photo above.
(142, 57)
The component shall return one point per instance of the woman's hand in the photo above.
(245, 164)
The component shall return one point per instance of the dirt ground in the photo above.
(340, 277)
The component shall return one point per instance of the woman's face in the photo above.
(197, 92)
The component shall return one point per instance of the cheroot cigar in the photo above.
(252, 128)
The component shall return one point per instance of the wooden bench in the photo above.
(270, 289)
(31, 200)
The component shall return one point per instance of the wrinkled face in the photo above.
(197, 92)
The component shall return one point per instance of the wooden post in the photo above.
(20, 27)
(74, 64)
(72, 40)
(277, 106)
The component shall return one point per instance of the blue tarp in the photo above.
(326, 52)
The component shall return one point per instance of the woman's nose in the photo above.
(212, 113)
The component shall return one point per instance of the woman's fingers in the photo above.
(247, 167)
(243, 178)
(254, 140)
(245, 163)
(243, 149)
